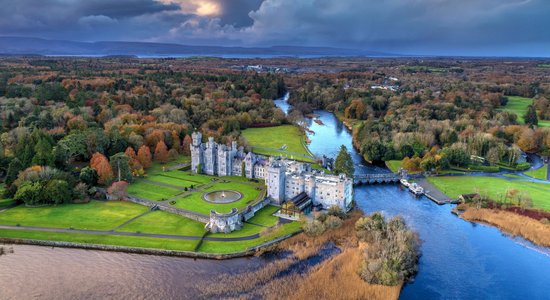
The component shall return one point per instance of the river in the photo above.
(461, 260)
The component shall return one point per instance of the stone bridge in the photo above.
(376, 178)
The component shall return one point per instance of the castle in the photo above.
(285, 178)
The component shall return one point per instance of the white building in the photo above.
(285, 178)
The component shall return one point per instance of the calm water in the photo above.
(460, 260)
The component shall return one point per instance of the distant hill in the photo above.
(38, 46)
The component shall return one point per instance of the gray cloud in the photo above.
(469, 27)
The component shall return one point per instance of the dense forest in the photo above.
(68, 124)
(439, 113)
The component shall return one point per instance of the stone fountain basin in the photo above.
(222, 196)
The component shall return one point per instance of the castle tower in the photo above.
(197, 154)
(249, 161)
(276, 182)
(211, 157)
(225, 160)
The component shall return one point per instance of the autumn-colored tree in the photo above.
(119, 190)
(101, 165)
(176, 142)
(186, 145)
(161, 152)
(134, 162)
(144, 156)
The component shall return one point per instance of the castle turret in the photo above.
(197, 153)
(276, 182)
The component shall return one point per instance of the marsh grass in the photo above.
(336, 277)
(533, 230)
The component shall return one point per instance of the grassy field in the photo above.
(195, 202)
(538, 173)
(95, 215)
(151, 191)
(160, 222)
(518, 105)
(100, 239)
(228, 247)
(394, 165)
(277, 137)
(494, 188)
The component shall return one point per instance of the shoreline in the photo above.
(534, 231)
(147, 251)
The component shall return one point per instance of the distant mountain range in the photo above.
(38, 46)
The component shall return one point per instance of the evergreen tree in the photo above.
(344, 163)
(531, 116)
(121, 167)
(14, 168)
(43, 153)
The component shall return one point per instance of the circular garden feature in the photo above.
(222, 196)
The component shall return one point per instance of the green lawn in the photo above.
(265, 216)
(161, 222)
(151, 191)
(394, 165)
(95, 215)
(157, 167)
(100, 239)
(195, 202)
(518, 105)
(228, 247)
(275, 138)
(171, 180)
(538, 173)
(6, 202)
(494, 188)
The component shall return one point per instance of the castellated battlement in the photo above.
(285, 178)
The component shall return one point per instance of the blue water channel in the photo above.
(460, 259)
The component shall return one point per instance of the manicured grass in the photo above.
(394, 165)
(195, 202)
(167, 179)
(246, 230)
(95, 215)
(161, 222)
(228, 247)
(100, 239)
(265, 216)
(275, 138)
(186, 176)
(518, 105)
(494, 188)
(152, 192)
(157, 167)
(539, 173)
(6, 202)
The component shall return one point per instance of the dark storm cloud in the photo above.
(235, 12)
(469, 27)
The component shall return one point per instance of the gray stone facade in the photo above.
(284, 178)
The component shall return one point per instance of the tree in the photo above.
(186, 146)
(57, 191)
(531, 116)
(144, 156)
(14, 168)
(161, 152)
(119, 189)
(121, 167)
(43, 153)
(30, 193)
(344, 162)
(88, 176)
(101, 165)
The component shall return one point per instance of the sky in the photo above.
(427, 27)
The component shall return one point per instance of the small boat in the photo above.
(404, 182)
(416, 189)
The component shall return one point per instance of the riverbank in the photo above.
(536, 231)
(310, 267)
